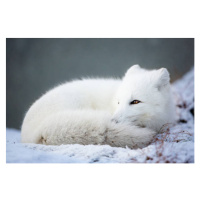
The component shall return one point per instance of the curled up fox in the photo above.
(118, 112)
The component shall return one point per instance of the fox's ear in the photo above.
(133, 69)
(163, 78)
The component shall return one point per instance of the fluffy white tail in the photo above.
(85, 127)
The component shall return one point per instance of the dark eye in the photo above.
(135, 102)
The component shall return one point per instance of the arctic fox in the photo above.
(120, 113)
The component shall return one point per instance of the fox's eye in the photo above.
(135, 102)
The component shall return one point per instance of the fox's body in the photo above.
(98, 111)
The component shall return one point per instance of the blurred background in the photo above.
(33, 66)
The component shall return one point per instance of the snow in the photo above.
(174, 143)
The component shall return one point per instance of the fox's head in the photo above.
(144, 98)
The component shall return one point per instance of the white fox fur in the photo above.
(98, 111)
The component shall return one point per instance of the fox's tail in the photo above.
(85, 127)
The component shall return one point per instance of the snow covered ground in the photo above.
(175, 143)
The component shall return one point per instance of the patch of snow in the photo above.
(175, 143)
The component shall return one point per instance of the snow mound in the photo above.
(174, 143)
